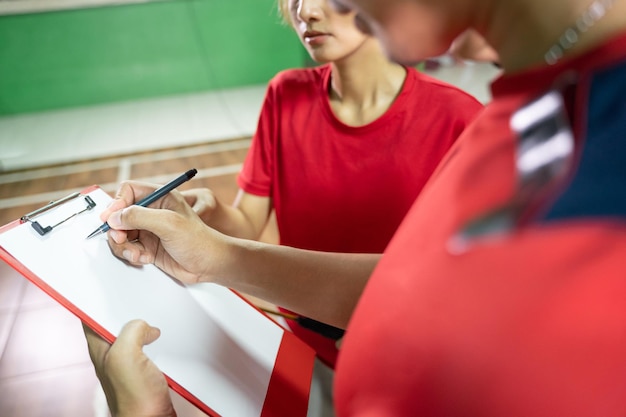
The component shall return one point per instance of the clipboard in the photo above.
(216, 350)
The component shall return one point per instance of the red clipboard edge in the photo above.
(289, 387)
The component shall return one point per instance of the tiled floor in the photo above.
(44, 366)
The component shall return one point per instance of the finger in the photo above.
(160, 222)
(191, 196)
(134, 251)
(197, 204)
(132, 191)
(119, 237)
(114, 205)
(136, 334)
(202, 202)
(124, 197)
(128, 193)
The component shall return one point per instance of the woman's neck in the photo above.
(364, 85)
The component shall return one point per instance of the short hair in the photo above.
(283, 10)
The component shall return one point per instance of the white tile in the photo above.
(7, 318)
(35, 298)
(12, 286)
(31, 140)
(62, 392)
(43, 340)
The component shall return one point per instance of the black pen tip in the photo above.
(191, 173)
(102, 229)
(95, 233)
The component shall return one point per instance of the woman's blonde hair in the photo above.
(283, 10)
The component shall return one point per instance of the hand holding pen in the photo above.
(151, 198)
(173, 236)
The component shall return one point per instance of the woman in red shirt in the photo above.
(341, 150)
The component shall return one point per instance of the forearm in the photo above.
(320, 285)
(245, 218)
(232, 222)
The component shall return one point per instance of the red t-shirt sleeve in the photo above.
(256, 174)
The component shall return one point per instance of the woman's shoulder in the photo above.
(300, 77)
(425, 85)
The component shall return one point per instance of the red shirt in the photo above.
(531, 322)
(346, 189)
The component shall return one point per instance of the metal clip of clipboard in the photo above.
(90, 204)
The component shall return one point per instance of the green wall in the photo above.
(90, 56)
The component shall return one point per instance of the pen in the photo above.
(151, 198)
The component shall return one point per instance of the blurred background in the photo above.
(99, 91)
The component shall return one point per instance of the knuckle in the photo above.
(129, 214)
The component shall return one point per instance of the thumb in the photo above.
(157, 221)
(136, 334)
